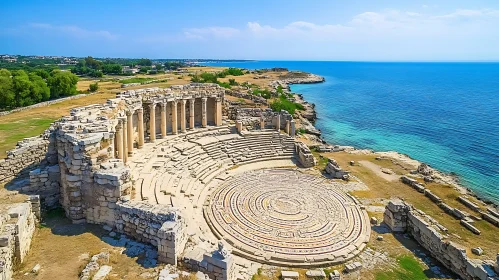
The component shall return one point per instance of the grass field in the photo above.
(410, 269)
(16, 126)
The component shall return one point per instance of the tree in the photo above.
(7, 96)
(112, 68)
(22, 84)
(90, 62)
(62, 83)
(93, 87)
(144, 62)
(39, 90)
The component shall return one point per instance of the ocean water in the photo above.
(444, 114)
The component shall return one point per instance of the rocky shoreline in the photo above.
(309, 116)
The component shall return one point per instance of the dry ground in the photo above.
(382, 189)
(59, 245)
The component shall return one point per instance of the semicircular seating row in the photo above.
(182, 165)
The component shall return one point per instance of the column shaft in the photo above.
(174, 117)
(182, 115)
(152, 123)
(278, 122)
(119, 140)
(163, 120)
(129, 116)
(218, 112)
(204, 120)
(140, 126)
(125, 141)
(191, 113)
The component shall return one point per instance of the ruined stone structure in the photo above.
(17, 228)
(333, 169)
(297, 220)
(304, 155)
(145, 163)
(402, 217)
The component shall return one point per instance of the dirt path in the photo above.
(378, 171)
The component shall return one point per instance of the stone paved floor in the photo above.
(283, 216)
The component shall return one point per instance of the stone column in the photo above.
(191, 113)
(152, 122)
(262, 123)
(163, 120)
(239, 126)
(218, 112)
(140, 126)
(125, 140)
(287, 127)
(112, 143)
(278, 122)
(174, 117)
(204, 120)
(182, 115)
(129, 137)
(292, 128)
(119, 139)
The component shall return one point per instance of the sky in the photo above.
(355, 30)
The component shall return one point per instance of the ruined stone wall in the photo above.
(218, 265)
(304, 155)
(27, 155)
(335, 170)
(159, 225)
(45, 182)
(254, 98)
(110, 183)
(251, 117)
(17, 228)
(401, 217)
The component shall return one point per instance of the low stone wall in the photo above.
(18, 226)
(218, 265)
(46, 103)
(252, 117)
(27, 155)
(158, 225)
(402, 217)
(304, 155)
(44, 181)
(335, 170)
(254, 98)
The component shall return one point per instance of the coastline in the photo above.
(314, 135)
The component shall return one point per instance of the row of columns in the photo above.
(124, 130)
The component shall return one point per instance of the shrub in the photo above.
(284, 104)
(93, 87)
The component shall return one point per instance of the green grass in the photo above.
(135, 80)
(11, 133)
(409, 269)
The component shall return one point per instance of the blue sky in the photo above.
(358, 30)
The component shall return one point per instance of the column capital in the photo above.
(128, 113)
(183, 101)
(204, 99)
(124, 121)
(152, 106)
(140, 110)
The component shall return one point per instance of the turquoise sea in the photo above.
(444, 114)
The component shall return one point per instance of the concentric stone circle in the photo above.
(283, 216)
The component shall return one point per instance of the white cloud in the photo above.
(74, 31)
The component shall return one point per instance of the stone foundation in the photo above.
(17, 228)
(402, 217)
(304, 155)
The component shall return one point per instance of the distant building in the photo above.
(128, 70)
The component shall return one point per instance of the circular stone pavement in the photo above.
(285, 217)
